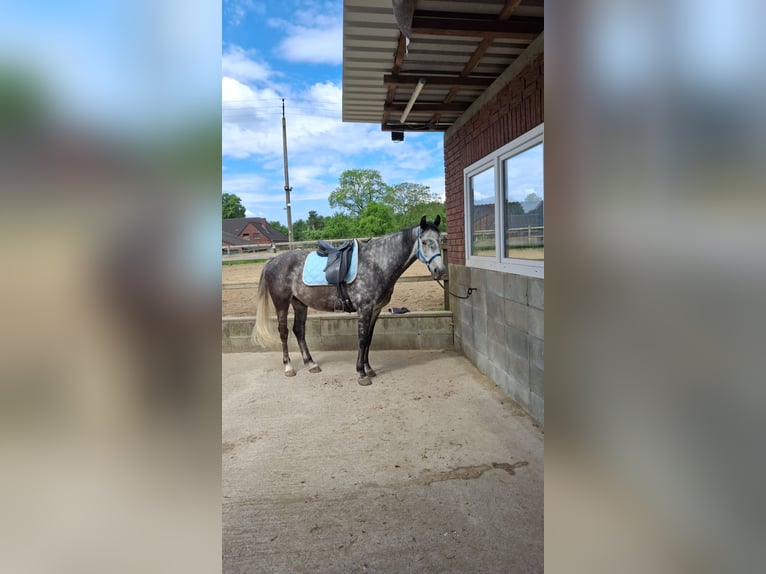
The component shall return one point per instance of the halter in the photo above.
(422, 256)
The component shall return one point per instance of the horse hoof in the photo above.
(290, 373)
(371, 373)
(365, 382)
(315, 369)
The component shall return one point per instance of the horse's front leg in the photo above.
(366, 359)
(365, 337)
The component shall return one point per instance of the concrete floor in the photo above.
(429, 469)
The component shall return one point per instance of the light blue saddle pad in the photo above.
(313, 268)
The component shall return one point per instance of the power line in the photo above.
(275, 107)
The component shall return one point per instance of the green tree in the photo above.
(300, 230)
(338, 226)
(358, 187)
(515, 208)
(430, 210)
(533, 198)
(405, 196)
(232, 206)
(376, 219)
(315, 221)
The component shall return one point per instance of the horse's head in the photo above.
(429, 247)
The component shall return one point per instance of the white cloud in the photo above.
(237, 64)
(313, 46)
(317, 38)
(327, 93)
(320, 146)
(437, 186)
(252, 124)
(237, 10)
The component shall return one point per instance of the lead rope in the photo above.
(470, 290)
(434, 256)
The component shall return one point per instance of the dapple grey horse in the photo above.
(380, 263)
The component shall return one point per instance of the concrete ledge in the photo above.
(338, 332)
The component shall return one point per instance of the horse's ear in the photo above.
(423, 222)
(438, 220)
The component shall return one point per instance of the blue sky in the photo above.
(293, 50)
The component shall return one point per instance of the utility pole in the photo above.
(288, 189)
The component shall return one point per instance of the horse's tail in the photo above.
(263, 335)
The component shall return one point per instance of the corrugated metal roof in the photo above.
(458, 47)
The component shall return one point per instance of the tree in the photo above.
(515, 208)
(337, 226)
(300, 231)
(232, 206)
(533, 198)
(358, 187)
(315, 221)
(405, 196)
(376, 219)
(430, 210)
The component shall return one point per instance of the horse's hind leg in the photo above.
(365, 338)
(283, 333)
(299, 328)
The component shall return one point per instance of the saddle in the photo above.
(336, 270)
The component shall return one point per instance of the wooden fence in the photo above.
(527, 236)
(264, 255)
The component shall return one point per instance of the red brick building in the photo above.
(474, 71)
(246, 231)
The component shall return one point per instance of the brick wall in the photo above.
(500, 327)
(516, 109)
(254, 235)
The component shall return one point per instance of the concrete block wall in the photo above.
(337, 332)
(500, 329)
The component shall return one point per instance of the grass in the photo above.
(246, 262)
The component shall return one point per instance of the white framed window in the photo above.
(504, 197)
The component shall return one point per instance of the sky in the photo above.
(293, 49)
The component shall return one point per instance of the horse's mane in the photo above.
(404, 234)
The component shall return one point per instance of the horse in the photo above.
(381, 261)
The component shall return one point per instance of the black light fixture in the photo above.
(397, 136)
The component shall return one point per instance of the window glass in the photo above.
(523, 204)
(482, 188)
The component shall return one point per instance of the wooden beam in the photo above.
(487, 27)
(458, 24)
(397, 127)
(398, 59)
(510, 6)
(486, 42)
